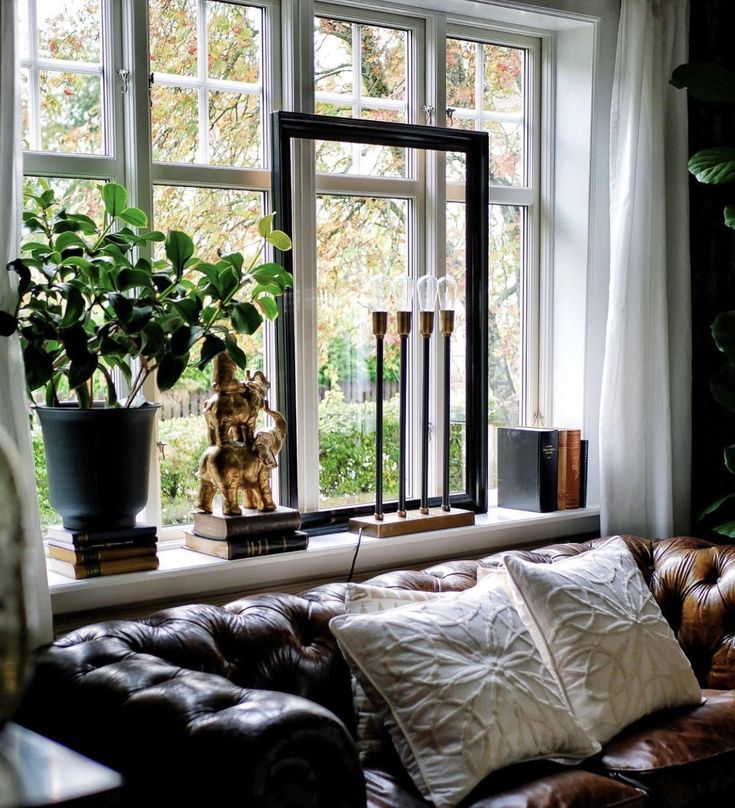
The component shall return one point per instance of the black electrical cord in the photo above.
(354, 557)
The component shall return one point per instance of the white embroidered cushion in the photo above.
(461, 687)
(601, 632)
(368, 599)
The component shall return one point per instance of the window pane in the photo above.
(25, 121)
(461, 73)
(504, 331)
(211, 112)
(499, 110)
(234, 129)
(234, 42)
(503, 79)
(218, 220)
(356, 237)
(69, 29)
(174, 124)
(381, 62)
(24, 34)
(384, 60)
(173, 36)
(332, 56)
(71, 112)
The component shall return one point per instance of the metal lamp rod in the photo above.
(426, 327)
(404, 329)
(446, 324)
(380, 320)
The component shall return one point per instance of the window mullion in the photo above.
(34, 79)
(203, 87)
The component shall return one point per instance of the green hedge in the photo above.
(346, 457)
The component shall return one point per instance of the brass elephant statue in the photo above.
(232, 411)
(235, 465)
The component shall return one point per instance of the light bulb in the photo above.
(403, 293)
(379, 292)
(447, 287)
(426, 292)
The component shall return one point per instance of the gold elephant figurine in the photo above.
(232, 411)
(229, 468)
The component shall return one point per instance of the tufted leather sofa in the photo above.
(250, 704)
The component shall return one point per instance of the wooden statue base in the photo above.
(413, 522)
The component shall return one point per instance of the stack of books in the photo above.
(258, 534)
(89, 554)
(542, 469)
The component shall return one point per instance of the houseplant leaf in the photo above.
(723, 332)
(722, 387)
(114, 197)
(134, 216)
(179, 249)
(246, 318)
(730, 216)
(170, 369)
(713, 166)
(8, 324)
(705, 81)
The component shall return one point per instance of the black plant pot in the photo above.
(97, 462)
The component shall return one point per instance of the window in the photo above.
(173, 98)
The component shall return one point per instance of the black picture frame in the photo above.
(289, 126)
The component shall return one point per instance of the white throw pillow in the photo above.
(601, 632)
(461, 687)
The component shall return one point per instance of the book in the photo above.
(250, 525)
(142, 543)
(584, 446)
(70, 570)
(247, 548)
(561, 471)
(574, 437)
(96, 555)
(527, 468)
(96, 538)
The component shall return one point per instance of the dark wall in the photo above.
(712, 25)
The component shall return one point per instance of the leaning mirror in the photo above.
(360, 219)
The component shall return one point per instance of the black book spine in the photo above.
(584, 446)
(548, 458)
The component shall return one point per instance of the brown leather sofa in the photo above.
(250, 704)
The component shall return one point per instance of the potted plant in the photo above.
(92, 310)
(710, 82)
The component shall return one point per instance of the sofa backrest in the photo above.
(282, 641)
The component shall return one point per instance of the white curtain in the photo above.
(645, 411)
(13, 406)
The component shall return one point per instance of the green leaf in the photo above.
(134, 216)
(132, 278)
(269, 306)
(179, 249)
(75, 343)
(184, 337)
(139, 318)
(69, 239)
(730, 216)
(279, 240)
(265, 225)
(273, 273)
(74, 307)
(723, 333)
(188, 308)
(722, 386)
(46, 199)
(81, 370)
(716, 505)
(8, 324)
(153, 339)
(726, 529)
(245, 318)
(705, 81)
(121, 305)
(713, 166)
(210, 348)
(236, 353)
(114, 196)
(234, 259)
(38, 365)
(170, 369)
(76, 261)
(729, 453)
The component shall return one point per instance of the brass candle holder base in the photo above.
(413, 522)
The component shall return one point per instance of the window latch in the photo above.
(428, 114)
(124, 75)
(450, 115)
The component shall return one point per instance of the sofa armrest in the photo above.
(187, 736)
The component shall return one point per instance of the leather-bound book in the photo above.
(247, 548)
(527, 468)
(574, 466)
(561, 470)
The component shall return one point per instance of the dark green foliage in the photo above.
(76, 315)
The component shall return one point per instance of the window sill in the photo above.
(186, 574)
